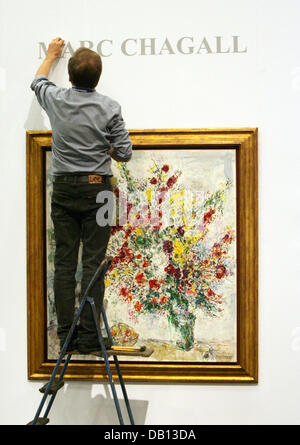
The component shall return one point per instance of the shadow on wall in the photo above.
(77, 406)
(35, 119)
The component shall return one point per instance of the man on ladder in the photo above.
(87, 130)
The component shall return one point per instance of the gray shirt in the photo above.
(84, 125)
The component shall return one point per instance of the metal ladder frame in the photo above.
(52, 387)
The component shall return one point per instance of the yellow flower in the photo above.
(173, 230)
(182, 261)
(178, 247)
(139, 231)
(176, 198)
(148, 193)
(113, 181)
(114, 273)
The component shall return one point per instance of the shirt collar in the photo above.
(88, 90)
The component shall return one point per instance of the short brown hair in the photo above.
(85, 68)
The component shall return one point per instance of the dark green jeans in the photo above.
(73, 211)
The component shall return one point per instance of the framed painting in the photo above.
(184, 242)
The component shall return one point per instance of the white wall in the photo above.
(260, 88)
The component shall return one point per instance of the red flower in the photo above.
(140, 278)
(129, 207)
(180, 289)
(163, 299)
(171, 181)
(154, 284)
(154, 300)
(163, 189)
(180, 231)
(145, 263)
(221, 271)
(115, 229)
(139, 256)
(177, 273)
(138, 306)
(210, 294)
(126, 294)
(153, 181)
(165, 168)
(185, 273)
(170, 269)
(124, 255)
(168, 246)
(227, 238)
(208, 215)
(217, 250)
(128, 232)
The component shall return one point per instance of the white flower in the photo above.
(158, 264)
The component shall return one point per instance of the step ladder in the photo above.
(54, 385)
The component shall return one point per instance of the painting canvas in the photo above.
(184, 243)
(172, 283)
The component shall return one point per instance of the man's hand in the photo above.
(54, 50)
(111, 153)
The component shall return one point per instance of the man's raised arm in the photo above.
(54, 50)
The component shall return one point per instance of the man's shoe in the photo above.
(95, 346)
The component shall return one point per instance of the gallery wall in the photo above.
(171, 64)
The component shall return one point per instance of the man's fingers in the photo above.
(58, 40)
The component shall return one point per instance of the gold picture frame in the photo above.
(245, 369)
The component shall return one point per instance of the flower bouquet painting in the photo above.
(172, 282)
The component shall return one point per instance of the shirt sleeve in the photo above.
(43, 87)
(119, 137)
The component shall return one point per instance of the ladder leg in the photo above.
(54, 372)
(123, 390)
(105, 356)
(59, 360)
(116, 361)
(61, 376)
(101, 269)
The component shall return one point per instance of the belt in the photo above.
(75, 179)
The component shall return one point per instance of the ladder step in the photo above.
(56, 385)
(40, 421)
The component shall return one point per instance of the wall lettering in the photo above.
(155, 46)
